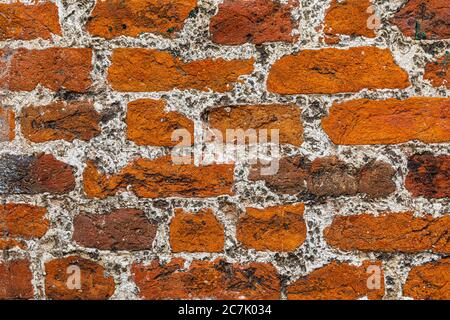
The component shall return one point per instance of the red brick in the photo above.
(430, 281)
(428, 176)
(207, 280)
(424, 19)
(55, 69)
(95, 285)
(253, 21)
(438, 73)
(329, 71)
(196, 232)
(279, 228)
(148, 124)
(123, 229)
(389, 232)
(35, 174)
(114, 18)
(141, 70)
(60, 121)
(391, 121)
(15, 280)
(338, 281)
(20, 21)
(328, 177)
(161, 178)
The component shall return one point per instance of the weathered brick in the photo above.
(391, 121)
(196, 232)
(253, 21)
(279, 228)
(7, 124)
(339, 281)
(35, 174)
(161, 178)
(141, 70)
(349, 17)
(205, 280)
(22, 220)
(286, 119)
(115, 18)
(329, 71)
(123, 229)
(149, 124)
(424, 19)
(20, 21)
(328, 177)
(389, 232)
(438, 72)
(54, 69)
(428, 176)
(60, 121)
(430, 281)
(7, 244)
(15, 280)
(61, 280)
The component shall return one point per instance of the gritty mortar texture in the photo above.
(113, 151)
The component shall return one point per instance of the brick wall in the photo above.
(93, 205)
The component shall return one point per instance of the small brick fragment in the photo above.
(7, 124)
(438, 72)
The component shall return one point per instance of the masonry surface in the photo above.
(91, 92)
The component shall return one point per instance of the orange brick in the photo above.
(280, 228)
(390, 121)
(141, 70)
(15, 280)
(438, 72)
(7, 124)
(329, 71)
(196, 232)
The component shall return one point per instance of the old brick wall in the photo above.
(92, 205)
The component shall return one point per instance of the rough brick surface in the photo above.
(279, 228)
(55, 69)
(438, 72)
(428, 176)
(7, 125)
(285, 119)
(196, 232)
(350, 17)
(15, 280)
(136, 70)
(389, 121)
(328, 177)
(60, 121)
(389, 232)
(22, 220)
(424, 19)
(330, 71)
(21, 21)
(206, 280)
(161, 177)
(253, 21)
(149, 124)
(429, 281)
(124, 229)
(94, 284)
(116, 18)
(337, 281)
(35, 174)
